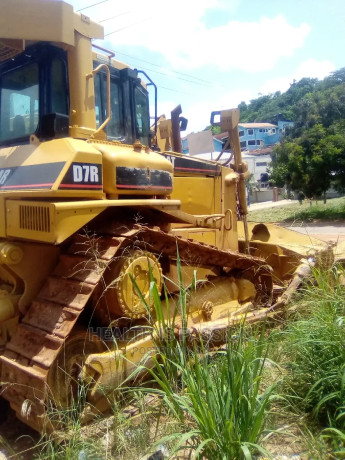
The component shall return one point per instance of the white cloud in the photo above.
(199, 114)
(311, 68)
(181, 35)
(249, 46)
(163, 107)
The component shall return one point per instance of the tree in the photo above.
(311, 156)
(214, 129)
(311, 162)
(287, 167)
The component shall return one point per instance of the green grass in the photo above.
(315, 346)
(221, 406)
(332, 210)
(311, 349)
(220, 403)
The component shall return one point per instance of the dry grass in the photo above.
(334, 209)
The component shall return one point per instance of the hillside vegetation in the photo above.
(311, 157)
(308, 100)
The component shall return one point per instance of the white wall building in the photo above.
(258, 163)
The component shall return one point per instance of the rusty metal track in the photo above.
(40, 336)
(48, 322)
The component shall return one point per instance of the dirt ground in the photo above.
(17, 440)
(325, 231)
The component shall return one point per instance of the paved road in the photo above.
(269, 204)
(321, 230)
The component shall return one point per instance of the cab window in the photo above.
(115, 126)
(59, 87)
(19, 109)
(98, 101)
(142, 116)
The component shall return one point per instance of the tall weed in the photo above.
(219, 401)
(315, 347)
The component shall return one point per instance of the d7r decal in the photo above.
(84, 176)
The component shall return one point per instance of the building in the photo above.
(207, 144)
(257, 135)
(259, 162)
(257, 141)
(254, 136)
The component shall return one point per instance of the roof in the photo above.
(221, 136)
(257, 152)
(257, 125)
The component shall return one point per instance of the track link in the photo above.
(48, 322)
(50, 319)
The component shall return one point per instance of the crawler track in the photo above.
(50, 319)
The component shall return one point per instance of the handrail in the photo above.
(91, 75)
(111, 53)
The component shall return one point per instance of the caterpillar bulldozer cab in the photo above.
(87, 205)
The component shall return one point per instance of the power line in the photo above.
(178, 78)
(126, 27)
(90, 6)
(164, 87)
(174, 90)
(201, 82)
(113, 17)
(171, 70)
(197, 79)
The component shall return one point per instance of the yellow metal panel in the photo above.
(43, 222)
(229, 238)
(126, 156)
(81, 89)
(30, 220)
(66, 150)
(69, 221)
(51, 20)
(283, 238)
(85, 26)
(196, 194)
(2, 218)
(70, 217)
(217, 195)
(55, 222)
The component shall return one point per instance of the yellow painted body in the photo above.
(84, 179)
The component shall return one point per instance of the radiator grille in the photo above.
(36, 218)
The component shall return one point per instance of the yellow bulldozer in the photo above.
(92, 210)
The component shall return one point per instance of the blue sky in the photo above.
(212, 54)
